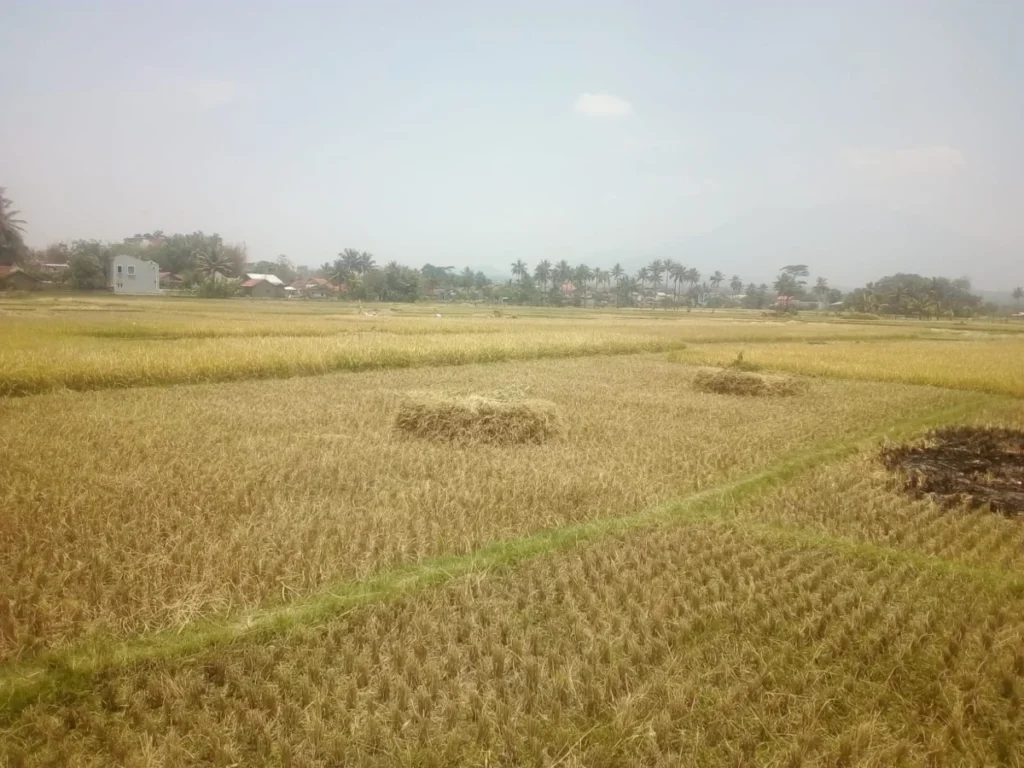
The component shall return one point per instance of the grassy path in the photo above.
(67, 672)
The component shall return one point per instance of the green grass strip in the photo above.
(68, 673)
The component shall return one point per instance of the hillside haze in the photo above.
(850, 244)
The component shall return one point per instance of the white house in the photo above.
(131, 275)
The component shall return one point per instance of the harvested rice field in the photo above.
(245, 533)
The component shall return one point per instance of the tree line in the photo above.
(210, 267)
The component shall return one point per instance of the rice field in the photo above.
(228, 539)
(151, 343)
(977, 362)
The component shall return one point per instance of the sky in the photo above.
(475, 133)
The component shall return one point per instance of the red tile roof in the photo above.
(251, 283)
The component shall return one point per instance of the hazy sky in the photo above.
(477, 132)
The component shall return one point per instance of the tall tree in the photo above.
(542, 273)
(580, 277)
(352, 259)
(643, 275)
(366, 263)
(519, 270)
(212, 263)
(12, 228)
(786, 287)
(678, 273)
(656, 269)
(617, 273)
(1018, 294)
(716, 279)
(821, 289)
(624, 290)
(340, 273)
(669, 265)
(563, 272)
(736, 284)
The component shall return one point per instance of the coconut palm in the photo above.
(519, 270)
(678, 273)
(563, 272)
(736, 284)
(668, 265)
(10, 224)
(657, 269)
(366, 263)
(212, 263)
(600, 277)
(642, 276)
(1018, 294)
(716, 279)
(11, 230)
(617, 273)
(542, 273)
(625, 289)
(352, 259)
(821, 289)
(580, 276)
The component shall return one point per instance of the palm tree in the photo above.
(366, 263)
(642, 275)
(563, 272)
(600, 277)
(785, 286)
(678, 273)
(617, 273)
(668, 265)
(1018, 294)
(692, 277)
(10, 224)
(736, 284)
(821, 289)
(519, 270)
(352, 259)
(467, 278)
(657, 269)
(581, 275)
(212, 263)
(716, 280)
(542, 273)
(625, 288)
(11, 230)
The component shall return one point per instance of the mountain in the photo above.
(850, 244)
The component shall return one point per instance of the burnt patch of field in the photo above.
(977, 466)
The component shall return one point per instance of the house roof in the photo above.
(251, 283)
(272, 279)
(6, 272)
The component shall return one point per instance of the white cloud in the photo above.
(909, 161)
(602, 105)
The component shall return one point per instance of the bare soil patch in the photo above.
(977, 466)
